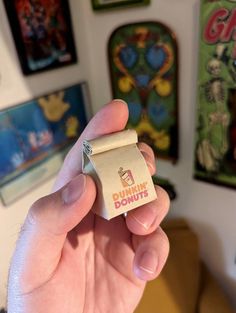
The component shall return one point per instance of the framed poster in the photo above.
(42, 32)
(109, 4)
(34, 136)
(215, 152)
(143, 59)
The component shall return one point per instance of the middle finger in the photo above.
(148, 156)
(146, 219)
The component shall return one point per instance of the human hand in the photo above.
(69, 260)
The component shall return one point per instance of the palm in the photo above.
(95, 267)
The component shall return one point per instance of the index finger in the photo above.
(111, 118)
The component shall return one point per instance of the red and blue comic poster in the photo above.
(43, 35)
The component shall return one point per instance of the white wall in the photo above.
(210, 210)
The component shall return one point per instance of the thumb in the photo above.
(39, 247)
(61, 211)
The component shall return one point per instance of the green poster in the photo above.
(215, 152)
(143, 61)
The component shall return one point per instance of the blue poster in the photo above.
(33, 132)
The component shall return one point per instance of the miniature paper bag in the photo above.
(120, 173)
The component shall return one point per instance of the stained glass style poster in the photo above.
(143, 61)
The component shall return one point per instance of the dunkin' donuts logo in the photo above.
(126, 177)
(131, 193)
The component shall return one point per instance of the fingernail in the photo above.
(149, 262)
(149, 160)
(74, 190)
(119, 100)
(145, 218)
(151, 166)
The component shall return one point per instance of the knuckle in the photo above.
(36, 210)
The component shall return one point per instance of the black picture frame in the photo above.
(43, 34)
(99, 5)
